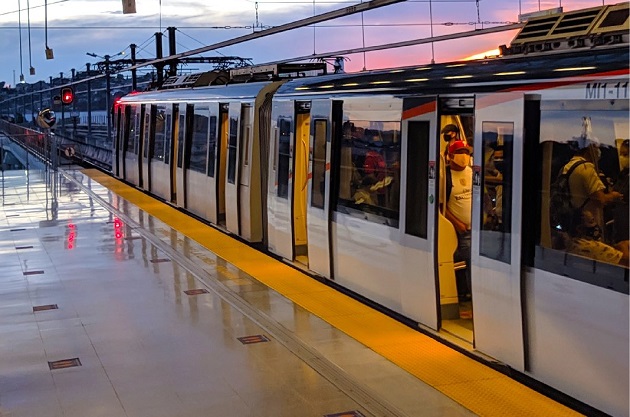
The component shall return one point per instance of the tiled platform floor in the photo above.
(146, 347)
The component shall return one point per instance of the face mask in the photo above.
(461, 159)
(624, 162)
(446, 137)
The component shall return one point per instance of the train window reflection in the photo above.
(168, 135)
(232, 147)
(158, 143)
(181, 131)
(146, 129)
(588, 218)
(284, 140)
(132, 130)
(417, 178)
(495, 235)
(198, 149)
(212, 144)
(369, 177)
(319, 164)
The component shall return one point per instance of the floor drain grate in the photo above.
(248, 340)
(33, 272)
(158, 260)
(64, 363)
(46, 307)
(196, 292)
(346, 414)
(23, 247)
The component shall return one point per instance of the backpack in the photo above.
(564, 217)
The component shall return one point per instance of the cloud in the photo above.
(80, 26)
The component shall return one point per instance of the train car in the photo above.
(199, 150)
(345, 177)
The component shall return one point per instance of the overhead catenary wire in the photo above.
(20, 31)
(28, 17)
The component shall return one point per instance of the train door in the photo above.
(143, 132)
(418, 221)
(222, 148)
(278, 208)
(147, 147)
(454, 219)
(118, 139)
(160, 152)
(497, 214)
(239, 128)
(179, 193)
(172, 154)
(318, 215)
(214, 155)
(130, 146)
(300, 156)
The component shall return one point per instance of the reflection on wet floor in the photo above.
(149, 343)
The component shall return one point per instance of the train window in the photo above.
(132, 129)
(496, 213)
(212, 144)
(283, 155)
(583, 228)
(318, 189)
(417, 178)
(146, 111)
(181, 132)
(168, 134)
(199, 145)
(232, 148)
(245, 132)
(369, 178)
(160, 137)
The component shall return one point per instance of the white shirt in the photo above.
(460, 201)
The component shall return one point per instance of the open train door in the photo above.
(496, 225)
(318, 218)
(419, 178)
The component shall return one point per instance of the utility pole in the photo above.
(134, 77)
(63, 121)
(158, 55)
(172, 50)
(107, 98)
(89, 101)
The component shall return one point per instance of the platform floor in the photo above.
(156, 309)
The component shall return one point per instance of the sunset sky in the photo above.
(76, 27)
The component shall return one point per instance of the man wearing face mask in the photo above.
(450, 134)
(459, 208)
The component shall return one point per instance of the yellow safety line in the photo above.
(475, 386)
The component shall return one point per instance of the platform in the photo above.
(115, 304)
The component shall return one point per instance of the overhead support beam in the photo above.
(403, 44)
(346, 11)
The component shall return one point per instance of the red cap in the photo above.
(458, 145)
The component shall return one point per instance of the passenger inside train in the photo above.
(370, 155)
(594, 168)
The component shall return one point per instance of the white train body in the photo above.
(288, 165)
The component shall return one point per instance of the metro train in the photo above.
(289, 164)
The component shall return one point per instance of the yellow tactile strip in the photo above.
(479, 388)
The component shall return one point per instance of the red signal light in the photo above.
(67, 95)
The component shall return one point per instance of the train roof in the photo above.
(219, 92)
(490, 74)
